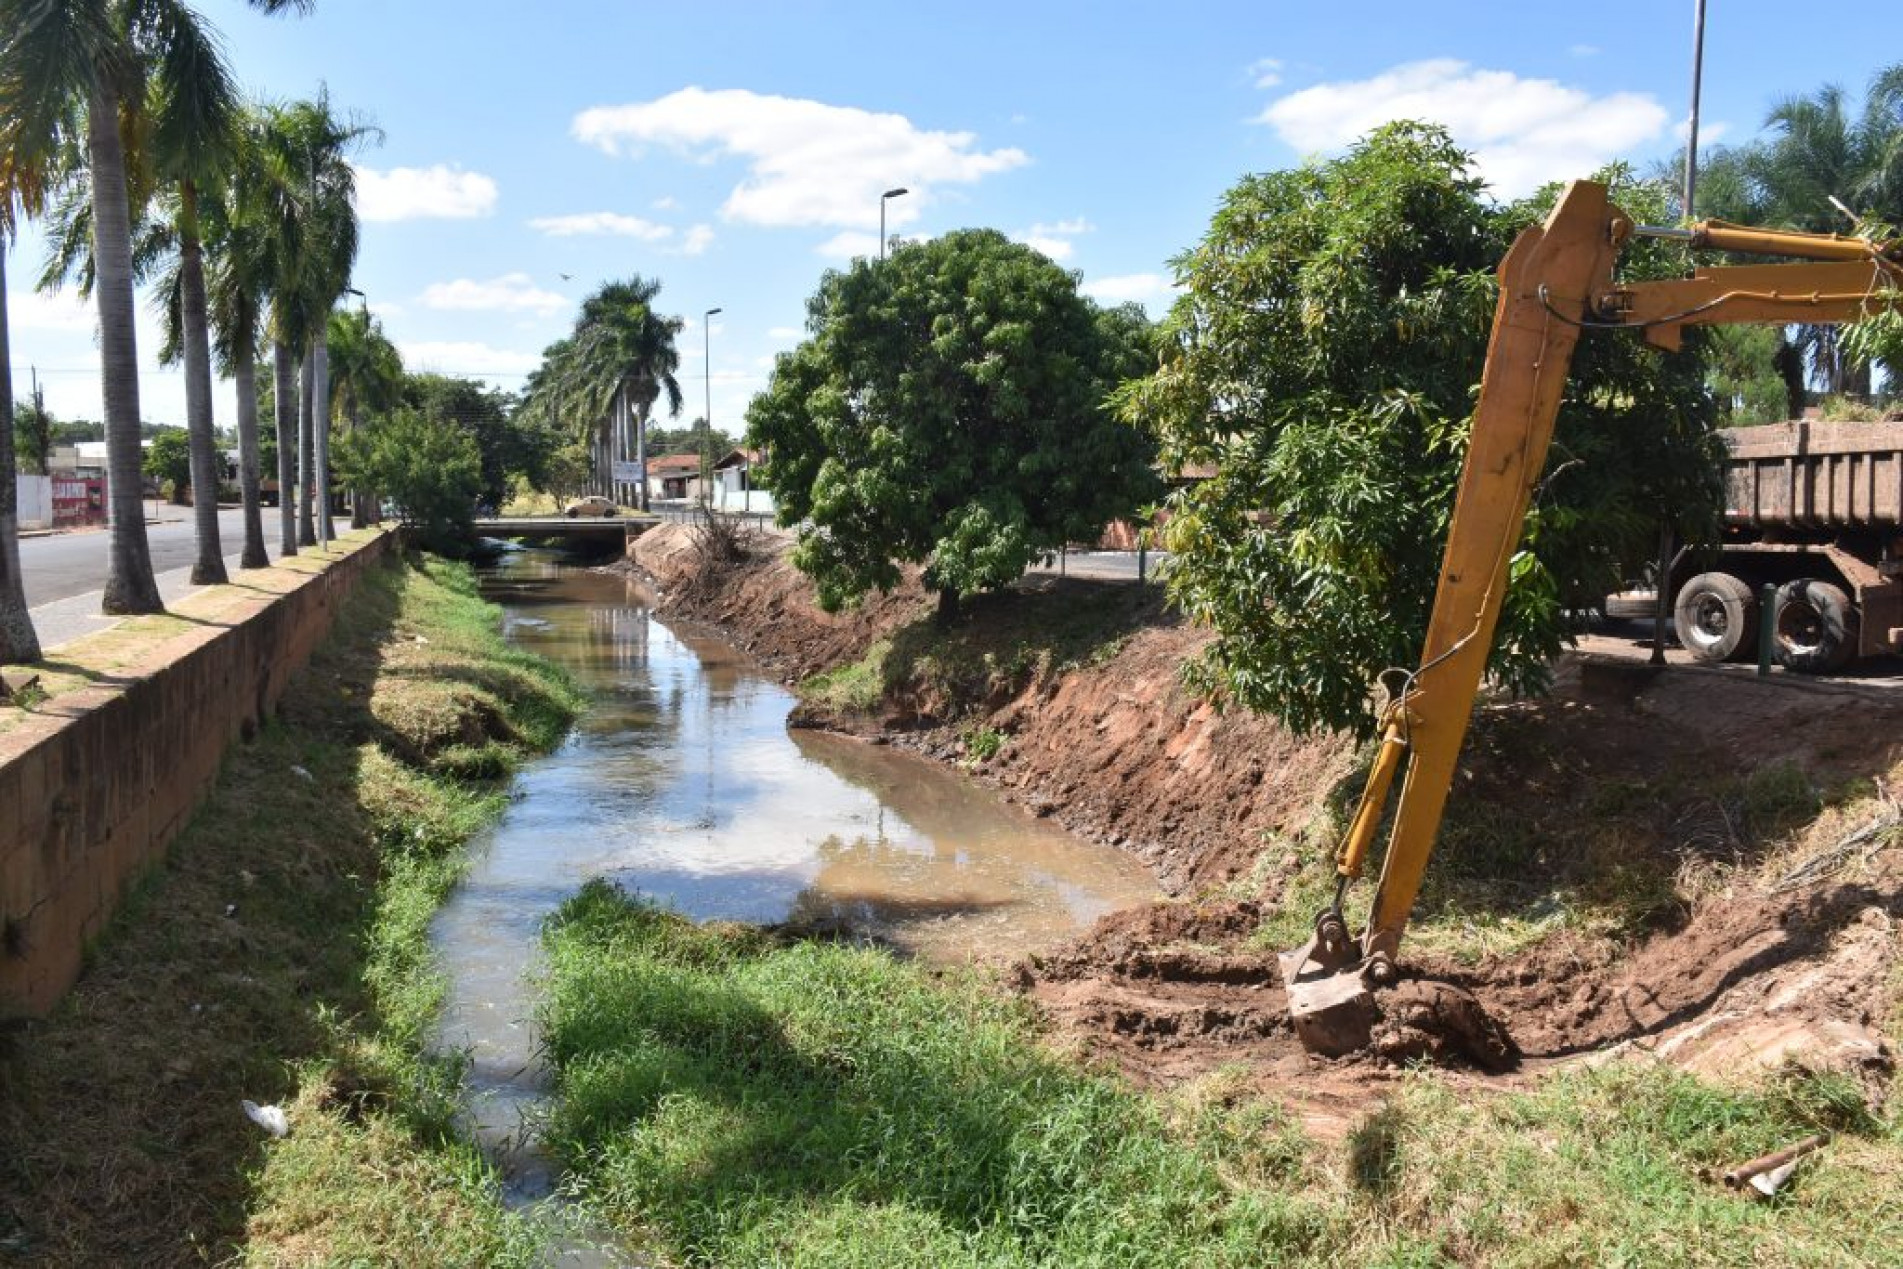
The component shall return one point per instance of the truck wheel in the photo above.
(1716, 617)
(1816, 626)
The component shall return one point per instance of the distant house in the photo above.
(673, 476)
(733, 484)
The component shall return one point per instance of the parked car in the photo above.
(593, 505)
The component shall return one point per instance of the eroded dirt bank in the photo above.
(1693, 864)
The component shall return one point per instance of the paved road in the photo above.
(1105, 565)
(63, 565)
(65, 573)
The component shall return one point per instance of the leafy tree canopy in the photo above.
(431, 469)
(948, 409)
(505, 445)
(169, 458)
(1324, 357)
(32, 436)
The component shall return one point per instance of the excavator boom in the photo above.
(1556, 282)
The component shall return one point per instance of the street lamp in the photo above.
(883, 199)
(707, 414)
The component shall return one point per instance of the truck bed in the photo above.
(1812, 475)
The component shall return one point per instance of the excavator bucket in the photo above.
(1333, 1011)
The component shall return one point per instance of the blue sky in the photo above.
(734, 151)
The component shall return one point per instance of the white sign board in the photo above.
(627, 472)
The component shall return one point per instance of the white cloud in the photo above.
(1266, 71)
(1523, 132)
(51, 311)
(1584, 50)
(1709, 130)
(424, 193)
(697, 240)
(1055, 248)
(666, 202)
(591, 223)
(463, 357)
(1144, 288)
(1065, 228)
(1054, 240)
(847, 245)
(785, 332)
(809, 163)
(512, 292)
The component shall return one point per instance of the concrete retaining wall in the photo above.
(35, 501)
(95, 786)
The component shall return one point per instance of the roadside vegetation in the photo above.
(279, 954)
(927, 673)
(746, 1100)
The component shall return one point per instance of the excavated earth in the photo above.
(1747, 975)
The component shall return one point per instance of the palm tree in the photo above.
(1819, 150)
(621, 360)
(243, 268)
(310, 148)
(94, 56)
(18, 642)
(367, 374)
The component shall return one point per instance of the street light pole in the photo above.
(707, 413)
(883, 199)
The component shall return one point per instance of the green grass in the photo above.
(280, 953)
(1000, 645)
(748, 1101)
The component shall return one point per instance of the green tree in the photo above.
(947, 409)
(67, 73)
(1745, 377)
(429, 467)
(308, 146)
(18, 641)
(244, 266)
(168, 460)
(1323, 357)
(605, 379)
(367, 374)
(488, 416)
(32, 435)
(1818, 146)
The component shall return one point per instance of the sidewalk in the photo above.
(77, 616)
(155, 514)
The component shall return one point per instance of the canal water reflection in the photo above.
(682, 782)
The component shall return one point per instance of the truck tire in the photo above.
(1816, 626)
(1716, 617)
(1631, 605)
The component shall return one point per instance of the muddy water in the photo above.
(683, 782)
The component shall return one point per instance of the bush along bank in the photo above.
(280, 955)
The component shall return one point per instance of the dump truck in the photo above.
(1813, 527)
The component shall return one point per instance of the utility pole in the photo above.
(1691, 137)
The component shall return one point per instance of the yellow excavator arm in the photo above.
(1556, 281)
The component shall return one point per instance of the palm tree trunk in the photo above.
(18, 642)
(245, 377)
(359, 498)
(320, 429)
(130, 586)
(306, 478)
(284, 410)
(209, 570)
(641, 458)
